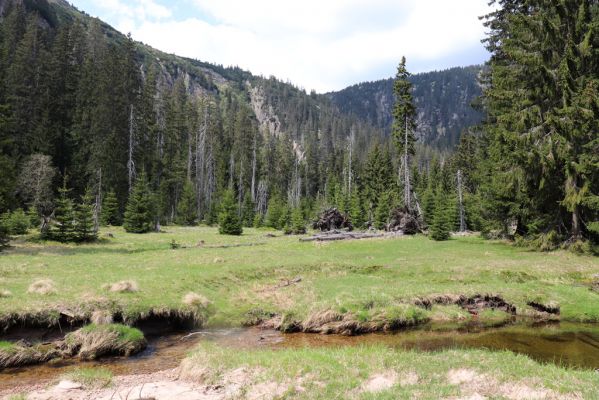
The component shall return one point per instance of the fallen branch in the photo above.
(228, 246)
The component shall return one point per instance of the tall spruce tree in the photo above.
(139, 214)
(543, 143)
(404, 125)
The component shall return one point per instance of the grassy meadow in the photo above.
(281, 275)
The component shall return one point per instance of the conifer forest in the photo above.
(144, 190)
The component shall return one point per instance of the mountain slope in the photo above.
(443, 99)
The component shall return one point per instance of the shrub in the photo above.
(139, 215)
(16, 223)
(228, 219)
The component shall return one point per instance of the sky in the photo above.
(321, 45)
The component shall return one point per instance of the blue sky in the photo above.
(316, 44)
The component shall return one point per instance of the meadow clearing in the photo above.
(263, 277)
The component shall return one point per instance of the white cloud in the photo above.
(320, 44)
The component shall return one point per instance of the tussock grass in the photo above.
(94, 341)
(196, 300)
(122, 287)
(42, 287)
(90, 378)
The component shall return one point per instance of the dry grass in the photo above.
(316, 320)
(196, 300)
(101, 317)
(122, 287)
(42, 287)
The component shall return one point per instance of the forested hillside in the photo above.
(96, 127)
(444, 100)
(104, 109)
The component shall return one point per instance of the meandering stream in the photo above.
(565, 343)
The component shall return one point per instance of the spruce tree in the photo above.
(139, 214)
(404, 125)
(383, 211)
(356, 210)
(4, 238)
(542, 143)
(440, 228)
(274, 213)
(229, 222)
(110, 210)
(84, 219)
(187, 208)
(297, 224)
(247, 210)
(63, 228)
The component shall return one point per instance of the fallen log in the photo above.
(341, 236)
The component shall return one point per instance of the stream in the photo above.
(570, 344)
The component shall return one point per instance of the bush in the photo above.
(229, 222)
(16, 223)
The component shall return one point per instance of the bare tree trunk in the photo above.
(576, 229)
(231, 170)
(254, 162)
(98, 205)
(240, 186)
(349, 162)
(262, 197)
(130, 162)
(200, 160)
(407, 187)
(463, 227)
(210, 177)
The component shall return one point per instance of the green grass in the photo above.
(90, 377)
(363, 277)
(7, 346)
(343, 372)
